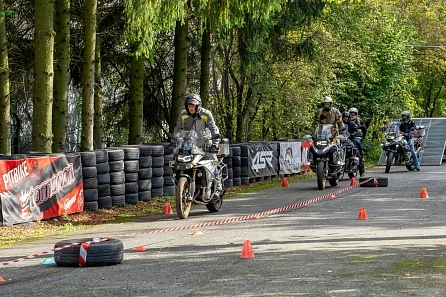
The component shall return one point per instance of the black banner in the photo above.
(262, 160)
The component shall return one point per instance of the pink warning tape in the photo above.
(50, 251)
(255, 215)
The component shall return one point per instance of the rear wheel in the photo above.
(183, 205)
(320, 170)
(389, 162)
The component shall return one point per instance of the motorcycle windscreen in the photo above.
(323, 131)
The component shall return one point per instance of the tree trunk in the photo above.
(43, 76)
(98, 131)
(88, 76)
(136, 100)
(5, 104)
(61, 74)
(205, 64)
(179, 73)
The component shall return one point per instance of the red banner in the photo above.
(37, 188)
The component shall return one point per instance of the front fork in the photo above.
(191, 179)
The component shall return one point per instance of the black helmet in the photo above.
(346, 114)
(405, 113)
(193, 99)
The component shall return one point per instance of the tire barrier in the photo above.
(89, 252)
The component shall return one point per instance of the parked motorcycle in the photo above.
(351, 157)
(326, 156)
(197, 175)
(397, 149)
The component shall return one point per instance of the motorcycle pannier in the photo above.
(224, 147)
(420, 131)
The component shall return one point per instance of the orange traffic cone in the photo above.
(424, 193)
(140, 248)
(362, 214)
(285, 182)
(247, 252)
(167, 209)
(331, 196)
(2, 279)
(353, 182)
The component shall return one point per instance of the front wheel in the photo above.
(183, 205)
(389, 162)
(320, 170)
(215, 206)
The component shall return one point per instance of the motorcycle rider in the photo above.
(328, 114)
(408, 127)
(352, 127)
(354, 117)
(194, 117)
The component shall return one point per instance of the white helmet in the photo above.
(353, 113)
(327, 99)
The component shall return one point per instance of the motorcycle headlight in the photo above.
(390, 138)
(184, 159)
(321, 143)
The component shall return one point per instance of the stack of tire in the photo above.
(236, 165)
(169, 186)
(157, 170)
(103, 177)
(145, 173)
(90, 181)
(117, 176)
(131, 170)
(244, 163)
(228, 161)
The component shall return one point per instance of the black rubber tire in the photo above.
(104, 253)
(410, 167)
(320, 175)
(182, 207)
(389, 162)
(215, 206)
(381, 182)
(333, 182)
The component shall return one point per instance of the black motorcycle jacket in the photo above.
(407, 126)
(351, 128)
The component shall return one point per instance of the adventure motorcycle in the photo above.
(351, 157)
(197, 172)
(326, 156)
(397, 149)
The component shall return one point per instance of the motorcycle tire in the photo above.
(410, 167)
(215, 206)
(374, 182)
(333, 182)
(182, 205)
(320, 173)
(353, 174)
(389, 161)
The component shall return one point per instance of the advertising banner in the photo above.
(290, 157)
(304, 156)
(261, 159)
(37, 188)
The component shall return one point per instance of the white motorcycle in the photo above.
(198, 173)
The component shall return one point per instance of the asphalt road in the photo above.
(321, 249)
